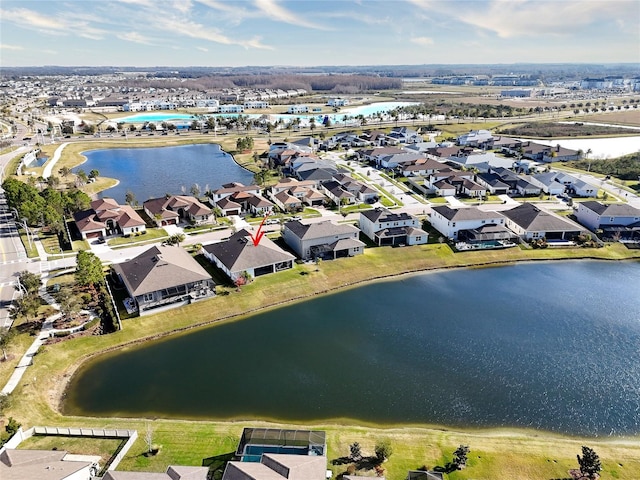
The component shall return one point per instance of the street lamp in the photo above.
(26, 229)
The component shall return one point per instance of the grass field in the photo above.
(496, 454)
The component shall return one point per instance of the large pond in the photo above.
(152, 172)
(552, 346)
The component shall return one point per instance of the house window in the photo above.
(454, 224)
(418, 239)
(147, 297)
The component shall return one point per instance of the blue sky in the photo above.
(316, 32)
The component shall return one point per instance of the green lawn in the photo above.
(104, 447)
(152, 234)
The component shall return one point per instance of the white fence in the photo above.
(130, 435)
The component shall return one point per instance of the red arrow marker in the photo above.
(259, 233)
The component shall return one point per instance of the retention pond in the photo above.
(553, 346)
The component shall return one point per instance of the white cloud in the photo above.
(514, 18)
(202, 49)
(423, 41)
(274, 11)
(136, 38)
(192, 29)
(4, 46)
(52, 25)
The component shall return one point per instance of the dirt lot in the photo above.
(624, 117)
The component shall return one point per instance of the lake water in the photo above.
(152, 172)
(551, 346)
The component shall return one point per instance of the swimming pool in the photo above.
(366, 110)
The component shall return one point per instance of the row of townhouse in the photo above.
(521, 148)
(531, 222)
(376, 138)
(526, 221)
(106, 217)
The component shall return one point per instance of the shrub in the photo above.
(383, 450)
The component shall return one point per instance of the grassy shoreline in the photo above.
(42, 389)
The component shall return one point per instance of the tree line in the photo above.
(46, 207)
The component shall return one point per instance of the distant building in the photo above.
(298, 109)
(517, 93)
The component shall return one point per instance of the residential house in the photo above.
(163, 277)
(475, 138)
(481, 162)
(304, 191)
(384, 227)
(46, 465)
(173, 472)
(421, 147)
(617, 221)
(444, 152)
(362, 192)
(257, 205)
(546, 153)
(107, 217)
(169, 210)
(286, 202)
(526, 187)
(229, 189)
(469, 223)
(548, 183)
(398, 159)
(450, 182)
(273, 454)
(493, 182)
(240, 255)
(405, 135)
(228, 207)
(338, 194)
(531, 222)
(573, 185)
(274, 466)
(374, 155)
(422, 167)
(322, 240)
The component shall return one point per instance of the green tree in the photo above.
(6, 336)
(94, 173)
(355, 452)
(30, 281)
(88, 269)
(25, 306)
(81, 177)
(589, 463)
(175, 239)
(460, 456)
(130, 198)
(383, 450)
(70, 304)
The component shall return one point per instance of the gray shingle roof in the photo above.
(239, 253)
(159, 268)
(464, 213)
(532, 218)
(319, 230)
(612, 210)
